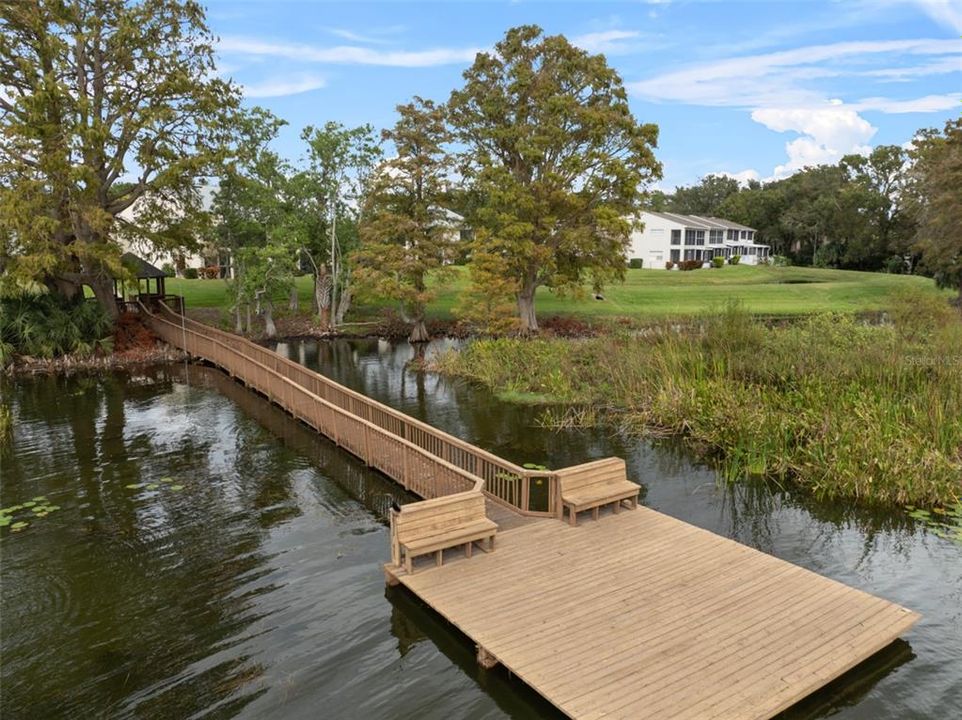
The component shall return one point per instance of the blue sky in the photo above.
(753, 89)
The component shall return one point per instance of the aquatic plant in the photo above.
(840, 407)
(945, 522)
(38, 507)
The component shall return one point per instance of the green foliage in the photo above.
(845, 409)
(704, 198)
(718, 261)
(49, 325)
(636, 263)
(36, 509)
(405, 233)
(734, 259)
(553, 149)
(191, 273)
(934, 200)
(94, 92)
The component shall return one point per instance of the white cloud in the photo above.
(742, 176)
(774, 79)
(373, 36)
(280, 87)
(929, 103)
(347, 54)
(606, 41)
(946, 12)
(827, 133)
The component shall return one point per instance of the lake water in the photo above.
(241, 576)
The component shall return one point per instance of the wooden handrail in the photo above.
(504, 481)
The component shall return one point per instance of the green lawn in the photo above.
(660, 293)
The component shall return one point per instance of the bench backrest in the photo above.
(437, 516)
(599, 472)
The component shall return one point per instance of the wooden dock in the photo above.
(641, 615)
(628, 614)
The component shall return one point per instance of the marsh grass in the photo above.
(843, 408)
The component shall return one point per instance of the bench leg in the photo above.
(438, 558)
(617, 506)
(594, 512)
(634, 502)
(491, 544)
(572, 516)
(467, 549)
(408, 563)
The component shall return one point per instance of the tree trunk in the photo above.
(103, 288)
(526, 311)
(248, 318)
(343, 305)
(267, 310)
(419, 332)
(292, 303)
(322, 296)
(238, 320)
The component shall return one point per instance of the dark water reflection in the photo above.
(256, 590)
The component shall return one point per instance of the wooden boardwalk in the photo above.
(639, 615)
(627, 615)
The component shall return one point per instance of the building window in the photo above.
(676, 254)
(699, 237)
(744, 234)
(676, 237)
(716, 236)
(751, 235)
(689, 238)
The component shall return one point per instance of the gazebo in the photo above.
(144, 272)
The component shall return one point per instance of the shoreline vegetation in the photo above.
(847, 410)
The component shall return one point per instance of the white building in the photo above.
(670, 237)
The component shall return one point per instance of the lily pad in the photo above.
(4, 521)
(134, 486)
(152, 486)
(53, 508)
(18, 526)
(167, 479)
(176, 488)
(40, 498)
(30, 503)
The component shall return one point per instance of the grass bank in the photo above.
(653, 294)
(844, 409)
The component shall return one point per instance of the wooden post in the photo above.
(486, 659)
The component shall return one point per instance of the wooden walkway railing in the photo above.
(425, 460)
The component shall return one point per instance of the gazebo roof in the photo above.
(141, 268)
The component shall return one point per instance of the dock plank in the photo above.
(642, 614)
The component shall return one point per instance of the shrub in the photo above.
(718, 261)
(895, 265)
(691, 264)
(780, 261)
(47, 326)
(734, 259)
(670, 265)
(169, 269)
(190, 273)
(636, 263)
(211, 272)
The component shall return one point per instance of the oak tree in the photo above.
(97, 93)
(561, 162)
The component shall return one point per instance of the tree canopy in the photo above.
(105, 104)
(560, 161)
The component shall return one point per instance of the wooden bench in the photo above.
(595, 484)
(433, 526)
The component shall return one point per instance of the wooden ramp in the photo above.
(639, 615)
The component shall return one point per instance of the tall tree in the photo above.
(935, 199)
(98, 92)
(406, 234)
(252, 207)
(340, 160)
(705, 197)
(559, 158)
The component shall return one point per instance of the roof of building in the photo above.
(700, 222)
(140, 267)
